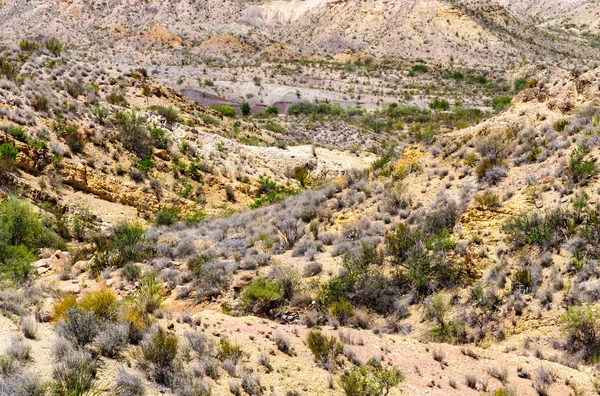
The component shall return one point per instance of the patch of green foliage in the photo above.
(21, 233)
(271, 192)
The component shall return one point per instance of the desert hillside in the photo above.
(319, 197)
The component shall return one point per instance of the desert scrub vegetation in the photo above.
(127, 243)
(22, 232)
(157, 355)
(325, 349)
(370, 380)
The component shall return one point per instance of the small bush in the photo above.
(168, 113)
(229, 351)
(251, 384)
(21, 233)
(74, 373)
(198, 342)
(134, 134)
(501, 102)
(78, 326)
(312, 269)
(370, 380)
(18, 349)
(439, 104)
(166, 217)
(128, 384)
(272, 110)
(157, 353)
(29, 326)
(488, 200)
(102, 303)
(53, 45)
(245, 108)
(131, 272)
(471, 381)
(8, 152)
(61, 306)
(580, 324)
(283, 344)
(261, 295)
(580, 170)
(325, 349)
(342, 310)
(500, 374)
(26, 45)
(112, 339)
(225, 110)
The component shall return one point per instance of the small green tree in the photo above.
(245, 108)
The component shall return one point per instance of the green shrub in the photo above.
(245, 108)
(261, 295)
(580, 324)
(478, 80)
(229, 351)
(560, 125)
(145, 165)
(26, 45)
(102, 303)
(8, 152)
(225, 110)
(272, 110)
(501, 102)
(488, 200)
(148, 297)
(546, 230)
(168, 113)
(21, 233)
(18, 133)
(127, 244)
(15, 262)
(9, 69)
(167, 217)
(342, 310)
(439, 104)
(53, 45)
(520, 84)
(455, 75)
(419, 69)
(580, 170)
(159, 137)
(134, 133)
(209, 120)
(74, 374)
(325, 349)
(196, 216)
(130, 243)
(371, 380)
(382, 161)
